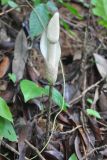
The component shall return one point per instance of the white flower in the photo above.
(50, 48)
(53, 29)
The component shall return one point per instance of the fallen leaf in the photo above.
(4, 66)
(101, 64)
(77, 147)
(24, 132)
(20, 55)
(103, 99)
(53, 155)
(95, 128)
(70, 92)
(104, 152)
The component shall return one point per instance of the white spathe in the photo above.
(50, 49)
(53, 29)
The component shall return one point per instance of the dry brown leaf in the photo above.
(20, 55)
(101, 64)
(4, 66)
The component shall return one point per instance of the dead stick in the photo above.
(85, 91)
(11, 149)
(94, 150)
(70, 131)
(35, 149)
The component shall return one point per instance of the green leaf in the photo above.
(72, 10)
(30, 90)
(57, 97)
(73, 157)
(89, 100)
(102, 23)
(7, 130)
(3, 2)
(84, 3)
(36, 2)
(60, 1)
(12, 4)
(12, 77)
(94, 113)
(100, 8)
(93, 2)
(68, 29)
(51, 6)
(38, 20)
(4, 110)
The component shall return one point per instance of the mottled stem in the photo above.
(49, 113)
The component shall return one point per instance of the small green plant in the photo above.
(6, 121)
(100, 9)
(39, 17)
(12, 77)
(73, 157)
(90, 100)
(41, 14)
(10, 3)
(92, 112)
(71, 9)
(31, 90)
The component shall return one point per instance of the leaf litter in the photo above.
(77, 133)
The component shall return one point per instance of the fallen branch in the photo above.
(94, 150)
(35, 149)
(85, 91)
(68, 132)
(12, 149)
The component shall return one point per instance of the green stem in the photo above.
(49, 113)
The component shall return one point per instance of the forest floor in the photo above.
(75, 130)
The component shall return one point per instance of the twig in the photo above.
(49, 113)
(101, 123)
(35, 149)
(70, 131)
(94, 150)
(4, 156)
(85, 91)
(7, 11)
(70, 36)
(12, 149)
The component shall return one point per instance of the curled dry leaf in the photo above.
(104, 152)
(53, 155)
(78, 147)
(103, 102)
(20, 55)
(101, 64)
(4, 66)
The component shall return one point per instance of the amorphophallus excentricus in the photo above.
(50, 48)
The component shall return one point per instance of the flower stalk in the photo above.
(51, 51)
